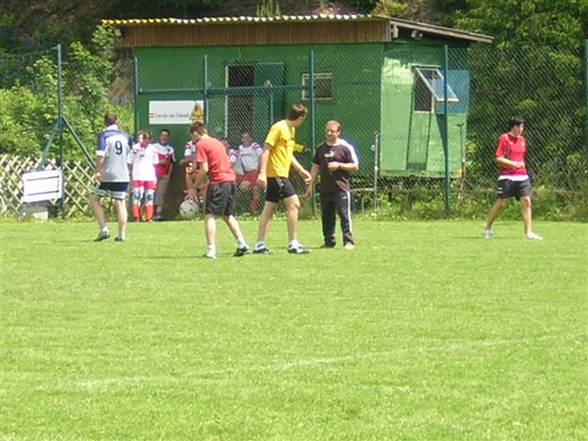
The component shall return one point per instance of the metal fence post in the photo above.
(376, 166)
(446, 128)
(60, 119)
(136, 94)
(205, 87)
(312, 116)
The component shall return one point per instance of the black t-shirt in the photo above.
(339, 180)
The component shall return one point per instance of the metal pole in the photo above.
(446, 131)
(205, 88)
(271, 103)
(60, 128)
(376, 167)
(136, 92)
(312, 116)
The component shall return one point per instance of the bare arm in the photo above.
(501, 160)
(314, 171)
(301, 170)
(99, 163)
(201, 174)
(262, 177)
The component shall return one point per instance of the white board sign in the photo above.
(41, 185)
(175, 112)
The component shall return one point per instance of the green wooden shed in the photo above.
(383, 78)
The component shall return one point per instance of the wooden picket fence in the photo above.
(78, 178)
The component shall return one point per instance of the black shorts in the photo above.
(115, 190)
(279, 188)
(505, 188)
(220, 199)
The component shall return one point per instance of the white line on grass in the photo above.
(445, 346)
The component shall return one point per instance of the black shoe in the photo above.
(328, 245)
(241, 251)
(158, 218)
(102, 236)
(262, 250)
(298, 250)
(118, 239)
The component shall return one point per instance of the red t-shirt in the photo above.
(513, 148)
(211, 150)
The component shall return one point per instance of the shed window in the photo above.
(428, 89)
(323, 82)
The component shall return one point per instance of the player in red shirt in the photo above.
(213, 162)
(514, 179)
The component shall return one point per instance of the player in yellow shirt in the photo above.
(276, 159)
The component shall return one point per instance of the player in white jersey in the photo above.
(247, 162)
(112, 175)
(144, 159)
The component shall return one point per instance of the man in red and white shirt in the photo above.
(213, 162)
(163, 170)
(144, 159)
(514, 179)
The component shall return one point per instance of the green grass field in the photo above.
(424, 332)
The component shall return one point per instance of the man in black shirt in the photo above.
(335, 159)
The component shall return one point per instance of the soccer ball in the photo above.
(188, 209)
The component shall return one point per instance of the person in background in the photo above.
(144, 159)
(191, 168)
(113, 154)
(163, 170)
(276, 159)
(335, 159)
(513, 179)
(247, 160)
(213, 163)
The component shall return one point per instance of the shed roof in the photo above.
(439, 30)
(243, 19)
(396, 25)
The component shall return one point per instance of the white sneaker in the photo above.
(488, 234)
(533, 236)
(210, 255)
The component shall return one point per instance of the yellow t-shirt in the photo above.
(281, 141)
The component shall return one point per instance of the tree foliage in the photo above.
(28, 99)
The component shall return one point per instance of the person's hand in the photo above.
(191, 195)
(333, 166)
(98, 177)
(308, 192)
(261, 180)
(520, 164)
(305, 175)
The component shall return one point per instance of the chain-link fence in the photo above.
(424, 119)
(52, 106)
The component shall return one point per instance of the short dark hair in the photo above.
(296, 111)
(146, 133)
(164, 130)
(198, 126)
(515, 121)
(110, 118)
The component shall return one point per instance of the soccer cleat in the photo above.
(328, 245)
(261, 250)
(298, 250)
(488, 234)
(349, 246)
(119, 239)
(103, 235)
(210, 256)
(532, 236)
(241, 251)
